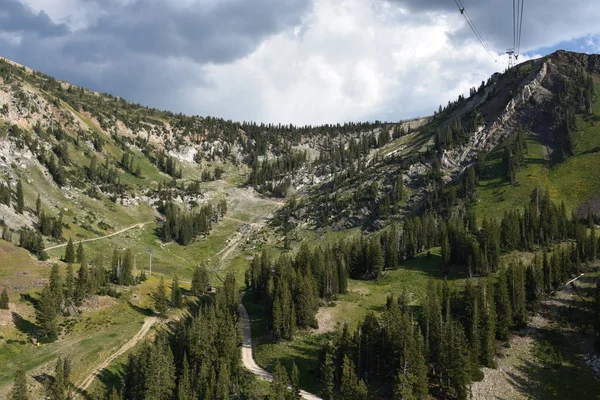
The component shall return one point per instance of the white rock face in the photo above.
(184, 153)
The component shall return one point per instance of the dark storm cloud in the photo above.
(15, 17)
(219, 32)
(203, 31)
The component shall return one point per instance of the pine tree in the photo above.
(60, 389)
(20, 198)
(488, 324)
(176, 296)
(38, 206)
(328, 374)
(80, 253)
(351, 387)
(19, 390)
(56, 287)
(279, 385)
(70, 252)
(4, 300)
(295, 383)
(199, 281)
(503, 308)
(160, 297)
(45, 315)
(69, 293)
(445, 254)
(184, 388)
(223, 392)
(82, 286)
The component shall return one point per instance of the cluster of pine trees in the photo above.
(440, 346)
(200, 361)
(183, 226)
(33, 241)
(58, 387)
(62, 296)
(290, 288)
(167, 164)
(514, 156)
(128, 164)
(266, 175)
(575, 96)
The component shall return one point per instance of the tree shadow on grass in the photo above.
(23, 324)
(148, 312)
(556, 370)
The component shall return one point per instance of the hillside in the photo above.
(324, 225)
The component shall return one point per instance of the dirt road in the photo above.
(248, 359)
(58, 246)
(148, 322)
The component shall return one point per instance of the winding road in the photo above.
(248, 359)
(148, 322)
(58, 246)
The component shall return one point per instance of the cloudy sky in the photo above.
(298, 61)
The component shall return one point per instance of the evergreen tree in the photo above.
(56, 287)
(69, 293)
(295, 383)
(279, 385)
(445, 254)
(60, 388)
(19, 390)
(80, 253)
(351, 387)
(328, 375)
(70, 252)
(176, 296)
(4, 300)
(160, 297)
(184, 388)
(200, 281)
(45, 315)
(20, 198)
(503, 308)
(38, 206)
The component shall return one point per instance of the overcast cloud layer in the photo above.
(298, 61)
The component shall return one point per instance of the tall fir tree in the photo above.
(4, 300)
(176, 296)
(70, 252)
(38, 206)
(19, 390)
(45, 315)
(56, 287)
(160, 297)
(20, 198)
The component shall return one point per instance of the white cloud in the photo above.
(354, 60)
(290, 60)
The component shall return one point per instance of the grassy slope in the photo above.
(86, 339)
(574, 181)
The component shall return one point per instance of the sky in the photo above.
(285, 61)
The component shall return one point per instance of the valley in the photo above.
(364, 260)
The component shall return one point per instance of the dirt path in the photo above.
(101, 237)
(248, 359)
(148, 322)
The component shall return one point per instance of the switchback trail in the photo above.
(248, 359)
(98, 238)
(148, 322)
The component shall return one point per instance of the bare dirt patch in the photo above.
(97, 303)
(6, 316)
(326, 321)
(498, 384)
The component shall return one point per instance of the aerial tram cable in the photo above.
(465, 13)
(520, 29)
